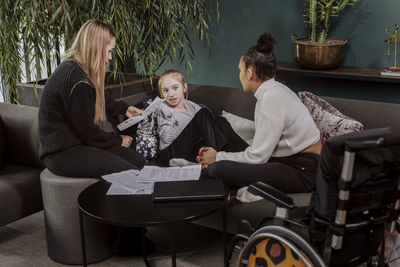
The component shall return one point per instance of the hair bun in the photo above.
(265, 43)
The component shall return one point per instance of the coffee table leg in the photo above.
(173, 250)
(226, 260)
(144, 248)
(82, 238)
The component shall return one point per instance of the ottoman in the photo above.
(61, 215)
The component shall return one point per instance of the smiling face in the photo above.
(109, 49)
(173, 91)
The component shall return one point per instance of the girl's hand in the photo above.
(133, 112)
(126, 140)
(207, 156)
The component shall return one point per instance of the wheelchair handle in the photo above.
(270, 193)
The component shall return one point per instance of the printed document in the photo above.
(142, 181)
(150, 109)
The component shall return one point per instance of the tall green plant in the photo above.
(319, 14)
(149, 32)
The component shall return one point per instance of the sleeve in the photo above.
(115, 108)
(166, 129)
(80, 107)
(269, 124)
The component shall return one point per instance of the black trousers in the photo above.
(202, 130)
(293, 174)
(88, 161)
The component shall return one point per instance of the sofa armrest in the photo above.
(21, 123)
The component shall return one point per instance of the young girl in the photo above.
(286, 145)
(183, 126)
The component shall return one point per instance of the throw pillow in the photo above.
(146, 136)
(245, 128)
(3, 143)
(330, 121)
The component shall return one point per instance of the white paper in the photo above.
(150, 109)
(142, 182)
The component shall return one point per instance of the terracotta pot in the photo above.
(313, 55)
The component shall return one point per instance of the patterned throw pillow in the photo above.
(146, 136)
(328, 119)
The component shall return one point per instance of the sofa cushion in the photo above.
(243, 127)
(330, 121)
(20, 192)
(3, 142)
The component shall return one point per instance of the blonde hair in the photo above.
(89, 49)
(177, 75)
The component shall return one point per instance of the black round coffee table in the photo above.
(141, 211)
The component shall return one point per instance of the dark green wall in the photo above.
(242, 21)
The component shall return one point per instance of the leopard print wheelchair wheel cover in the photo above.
(277, 246)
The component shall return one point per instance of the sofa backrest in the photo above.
(370, 113)
(218, 98)
(234, 100)
(22, 134)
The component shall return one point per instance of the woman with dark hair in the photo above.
(286, 145)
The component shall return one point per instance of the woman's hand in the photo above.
(207, 156)
(126, 140)
(133, 112)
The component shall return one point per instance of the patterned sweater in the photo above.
(66, 112)
(171, 122)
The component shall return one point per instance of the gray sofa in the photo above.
(234, 100)
(20, 193)
(19, 179)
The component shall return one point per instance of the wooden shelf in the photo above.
(347, 73)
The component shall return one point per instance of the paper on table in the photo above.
(141, 182)
(132, 121)
(124, 190)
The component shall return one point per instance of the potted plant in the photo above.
(318, 51)
(149, 34)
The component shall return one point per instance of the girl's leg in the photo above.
(87, 161)
(201, 131)
(297, 177)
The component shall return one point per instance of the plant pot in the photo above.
(313, 55)
(30, 93)
(133, 84)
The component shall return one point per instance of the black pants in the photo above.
(88, 161)
(293, 174)
(202, 130)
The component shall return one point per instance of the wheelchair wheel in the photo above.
(277, 246)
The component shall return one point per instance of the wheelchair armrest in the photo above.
(270, 193)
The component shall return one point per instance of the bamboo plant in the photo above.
(149, 33)
(319, 14)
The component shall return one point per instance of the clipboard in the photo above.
(188, 190)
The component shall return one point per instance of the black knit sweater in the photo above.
(66, 112)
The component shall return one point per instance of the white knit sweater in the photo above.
(283, 126)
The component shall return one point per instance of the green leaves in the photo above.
(322, 11)
(149, 32)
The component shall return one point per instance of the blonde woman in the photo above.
(73, 108)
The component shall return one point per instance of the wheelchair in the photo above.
(356, 200)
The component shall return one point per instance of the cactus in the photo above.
(319, 14)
